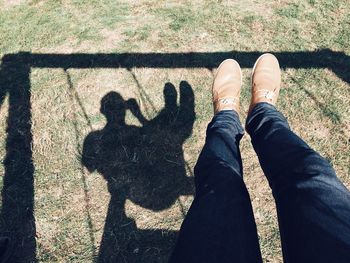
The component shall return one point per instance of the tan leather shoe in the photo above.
(227, 86)
(266, 80)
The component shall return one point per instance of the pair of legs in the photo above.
(313, 206)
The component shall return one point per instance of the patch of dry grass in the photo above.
(71, 203)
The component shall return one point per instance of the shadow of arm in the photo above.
(135, 110)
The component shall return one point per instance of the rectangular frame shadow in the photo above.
(17, 216)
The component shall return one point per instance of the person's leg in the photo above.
(313, 206)
(219, 227)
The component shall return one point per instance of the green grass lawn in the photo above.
(62, 204)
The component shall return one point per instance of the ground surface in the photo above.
(72, 190)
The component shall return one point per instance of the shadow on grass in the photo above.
(152, 172)
(143, 164)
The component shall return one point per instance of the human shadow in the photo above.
(143, 164)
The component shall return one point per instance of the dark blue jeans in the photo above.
(313, 206)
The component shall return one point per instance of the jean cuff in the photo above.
(262, 112)
(228, 118)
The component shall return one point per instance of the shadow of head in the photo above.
(113, 107)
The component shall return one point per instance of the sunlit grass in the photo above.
(315, 101)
